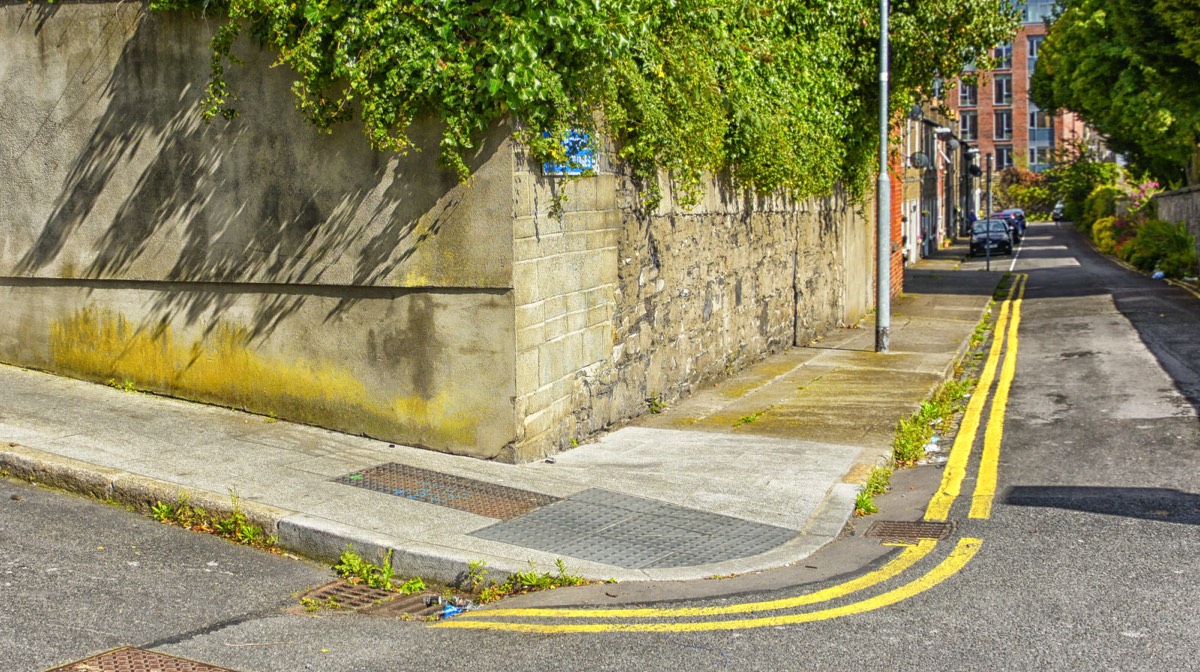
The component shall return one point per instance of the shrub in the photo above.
(1164, 246)
(1104, 236)
(1101, 203)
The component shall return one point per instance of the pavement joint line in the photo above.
(964, 441)
(904, 560)
(989, 464)
(963, 553)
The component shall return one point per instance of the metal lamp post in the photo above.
(883, 257)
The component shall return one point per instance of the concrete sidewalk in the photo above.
(757, 472)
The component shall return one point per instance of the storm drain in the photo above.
(635, 533)
(373, 601)
(129, 659)
(910, 532)
(455, 492)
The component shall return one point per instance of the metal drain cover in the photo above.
(455, 492)
(636, 533)
(909, 531)
(130, 659)
(373, 601)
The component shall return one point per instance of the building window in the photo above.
(968, 126)
(968, 95)
(1004, 56)
(1004, 125)
(1035, 45)
(1038, 117)
(1039, 158)
(1004, 157)
(1003, 89)
(1037, 11)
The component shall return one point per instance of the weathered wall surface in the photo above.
(1181, 205)
(666, 301)
(251, 262)
(259, 264)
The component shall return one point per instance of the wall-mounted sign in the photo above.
(577, 146)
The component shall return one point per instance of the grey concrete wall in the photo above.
(251, 262)
(1181, 205)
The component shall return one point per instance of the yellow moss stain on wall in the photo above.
(222, 368)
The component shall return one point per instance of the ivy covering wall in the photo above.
(782, 94)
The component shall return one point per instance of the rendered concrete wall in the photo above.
(251, 262)
(1181, 205)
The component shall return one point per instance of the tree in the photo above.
(782, 94)
(1129, 69)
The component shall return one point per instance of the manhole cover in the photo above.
(367, 600)
(455, 492)
(909, 531)
(129, 659)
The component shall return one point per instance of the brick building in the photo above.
(998, 118)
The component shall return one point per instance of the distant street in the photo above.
(1086, 559)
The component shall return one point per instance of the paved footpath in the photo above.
(755, 473)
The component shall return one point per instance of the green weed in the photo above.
(234, 526)
(355, 569)
(523, 582)
(748, 419)
(655, 404)
(863, 506)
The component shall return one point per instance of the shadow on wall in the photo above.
(261, 199)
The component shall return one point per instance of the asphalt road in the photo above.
(1087, 561)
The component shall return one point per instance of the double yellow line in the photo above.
(1004, 347)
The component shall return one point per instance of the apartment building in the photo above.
(997, 116)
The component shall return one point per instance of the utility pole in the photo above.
(883, 200)
(987, 244)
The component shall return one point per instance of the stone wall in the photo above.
(1181, 205)
(649, 306)
(259, 264)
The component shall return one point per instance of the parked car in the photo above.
(1014, 224)
(1057, 214)
(991, 234)
(1019, 214)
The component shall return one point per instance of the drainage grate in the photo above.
(129, 659)
(909, 531)
(373, 601)
(455, 492)
(636, 533)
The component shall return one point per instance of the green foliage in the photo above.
(1022, 188)
(1074, 175)
(1128, 68)
(864, 505)
(413, 585)
(1164, 246)
(234, 526)
(525, 582)
(1105, 235)
(782, 94)
(913, 433)
(354, 568)
(878, 481)
(1102, 202)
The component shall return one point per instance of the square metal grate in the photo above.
(455, 492)
(636, 533)
(130, 659)
(374, 601)
(901, 531)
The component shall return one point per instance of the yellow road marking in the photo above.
(954, 562)
(989, 463)
(960, 453)
(906, 559)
